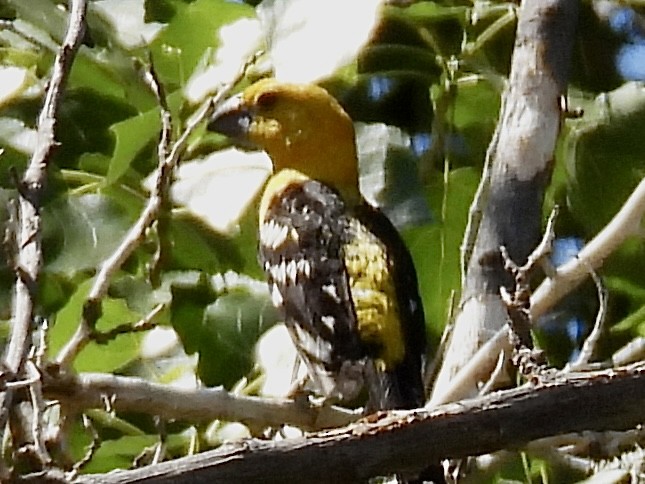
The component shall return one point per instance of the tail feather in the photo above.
(400, 388)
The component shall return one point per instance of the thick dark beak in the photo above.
(231, 119)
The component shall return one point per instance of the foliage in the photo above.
(434, 70)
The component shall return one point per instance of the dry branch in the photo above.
(407, 441)
(507, 210)
(89, 390)
(30, 189)
(626, 223)
(169, 157)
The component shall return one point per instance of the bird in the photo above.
(338, 271)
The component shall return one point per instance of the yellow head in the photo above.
(301, 127)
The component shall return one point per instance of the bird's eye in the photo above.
(266, 100)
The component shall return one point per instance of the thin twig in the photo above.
(630, 353)
(153, 454)
(91, 449)
(517, 303)
(626, 223)
(30, 257)
(590, 344)
(164, 180)
(565, 460)
(145, 324)
(41, 349)
(160, 449)
(496, 376)
(535, 258)
(545, 247)
(136, 235)
(24, 383)
(525, 357)
(38, 407)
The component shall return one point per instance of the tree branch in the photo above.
(168, 159)
(30, 190)
(507, 210)
(626, 223)
(405, 442)
(89, 390)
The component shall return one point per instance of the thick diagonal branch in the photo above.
(507, 210)
(406, 441)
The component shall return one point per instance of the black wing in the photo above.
(301, 239)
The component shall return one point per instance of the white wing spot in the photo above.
(292, 271)
(288, 272)
(304, 267)
(330, 290)
(316, 348)
(276, 297)
(413, 305)
(329, 322)
(278, 273)
(272, 234)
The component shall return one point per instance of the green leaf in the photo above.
(435, 11)
(178, 49)
(233, 324)
(83, 123)
(439, 26)
(331, 32)
(632, 305)
(389, 174)
(222, 326)
(196, 247)
(134, 134)
(604, 159)
(55, 291)
(203, 186)
(107, 357)
(119, 453)
(13, 81)
(90, 164)
(139, 293)
(81, 231)
(190, 296)
(397, 57)
(435, 247)
(475, 112)
(101, 78)
(605, 163)
(123, 23)
(14, 141)
(632, 324)
(43, 14)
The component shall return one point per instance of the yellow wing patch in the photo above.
(374, 295)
